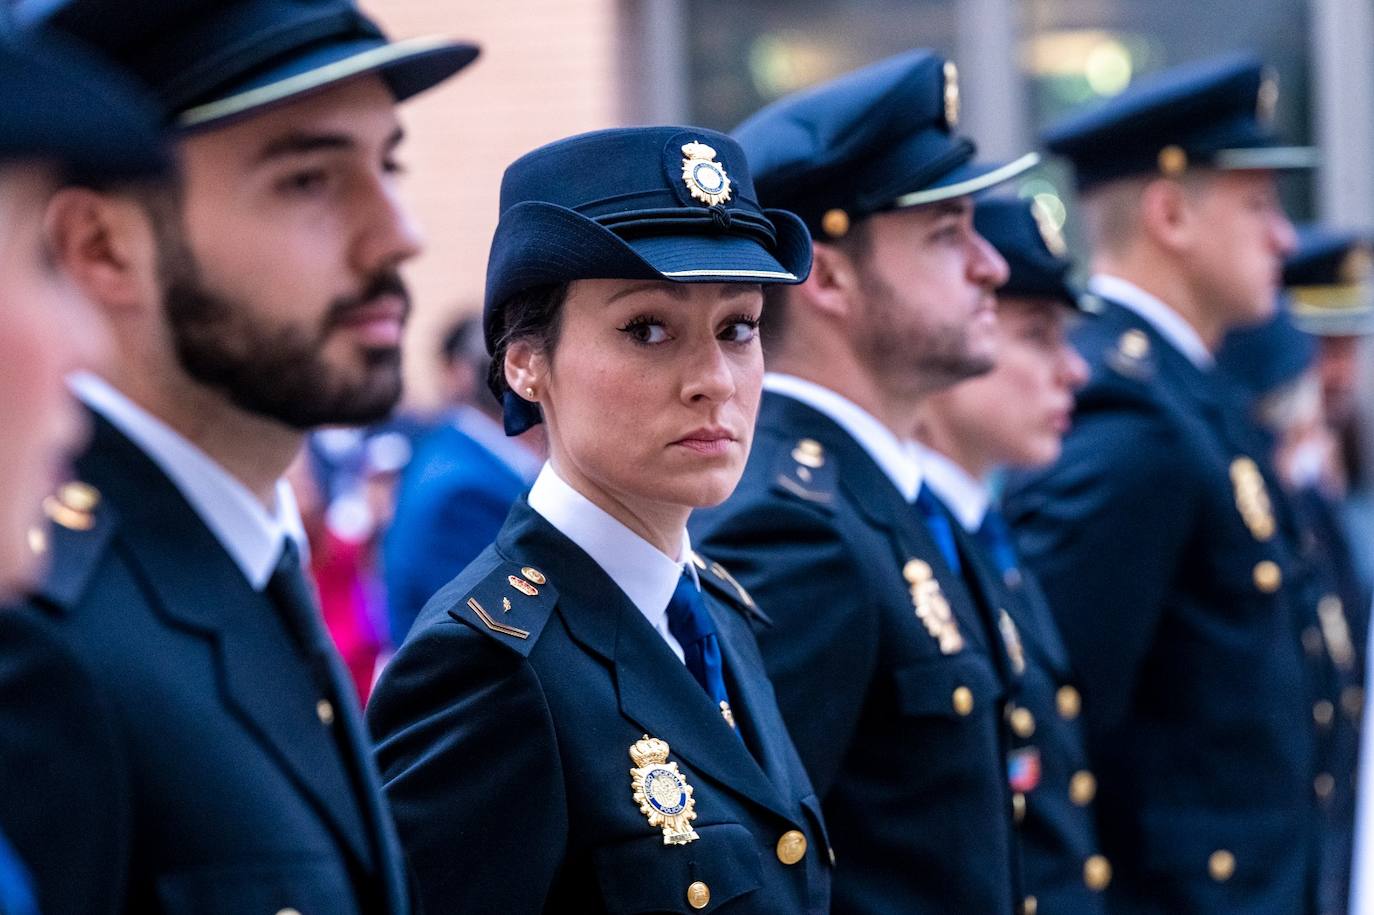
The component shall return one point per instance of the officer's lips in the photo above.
(381, 322)
(708, 440)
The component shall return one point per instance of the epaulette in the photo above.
(806, 473)
(78, 530)
(511, 605)
(714, 576)
(1130, 356)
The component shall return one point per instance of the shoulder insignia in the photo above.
(72, 541)
(806, 472)
(715, 576)
(511, 604)
(1130, 356)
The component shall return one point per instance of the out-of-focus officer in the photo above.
(1160, 536)
(1015, 416)
(888, 658)
(178, 734)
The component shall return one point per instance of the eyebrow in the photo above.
(299, 144)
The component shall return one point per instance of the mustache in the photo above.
(383, 283)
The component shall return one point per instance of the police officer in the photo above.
(1015, 416)
(1159, 536)
(178, 735)
(62, 112)
(580, 720)
(887, 655)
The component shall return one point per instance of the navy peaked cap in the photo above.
(1217, 114)
(65, 106)
(1328, 282)
(875, 139)
(211, 61)
(651, 203)
(1032, 246)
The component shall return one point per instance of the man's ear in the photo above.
(107, 245)
(833, 285)
(1167, 214)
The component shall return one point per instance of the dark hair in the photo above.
(534, 314)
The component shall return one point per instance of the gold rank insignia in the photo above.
(73, 506)
(705, 178)
(1252, 498)
(663, 795)
(1011, 637)
(522, 586)
(932, 609)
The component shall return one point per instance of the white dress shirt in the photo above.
(895, 456)
(964, 494)
(251, 535)
(647, 576)
(1157, 314)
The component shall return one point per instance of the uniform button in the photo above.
(1322, 712)
(1323, 785)
(1221, 865)
(1312, 641)
(325, 710)
(1097, 873)
(1069, 702)
(698, 895)
(1018, 808)
(1030, 905)
(1268, 577)
(791, 847)
(1352, 702)
(1022, 722)
(288, 912)
(1082, 788)
(963, 700)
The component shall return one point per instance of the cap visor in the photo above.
(712, 259)
(1268, 157)
(410, 66)
(969, 179)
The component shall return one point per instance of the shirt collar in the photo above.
(647, 576)
(251, 535)
(896, 457)
(964, 494)
(1157, 314)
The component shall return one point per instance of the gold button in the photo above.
(1173, 161)
(1030, 905)
(1323, 785)
(1221, 865)
(698, 895)
(1018, 808)
(835, 223)
(1267, 576)
(325, 711)
(1352, 702)
(791, 847)
(963, 700)
(1097, 873)
(1082, 788)
(1022, 722)
(1069, 702)
(1322, 712)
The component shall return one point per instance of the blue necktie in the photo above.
(16, 895)
(941, 528)
(694, 630)
(995, 537)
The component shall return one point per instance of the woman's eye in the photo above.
(741, 330)
(646, 331)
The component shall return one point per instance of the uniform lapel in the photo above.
(262, 680)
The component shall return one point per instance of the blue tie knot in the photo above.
(941, 528)
(692, 626)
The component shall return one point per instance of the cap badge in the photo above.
(663, 795)
(1049, 230)
(705, 178)
(1173, 161)
(1267, 99)
(951, 93)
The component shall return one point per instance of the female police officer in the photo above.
(580, 720)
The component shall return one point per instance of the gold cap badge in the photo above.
(663, 795)
(951, 94)
(1173, 161)
(705, 178)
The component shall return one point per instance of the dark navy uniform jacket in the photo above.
(1164, 549)
(164, 748)
(503, 737)
(907, 745)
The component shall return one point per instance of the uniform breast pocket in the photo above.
(307, 887)
(644, 875)
(954, 687)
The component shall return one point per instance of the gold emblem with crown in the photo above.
(705, 178)
(663, 795)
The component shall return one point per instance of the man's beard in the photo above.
(279, 371)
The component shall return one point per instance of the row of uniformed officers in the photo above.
(754, 641)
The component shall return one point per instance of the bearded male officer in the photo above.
(889, 665)
(178, 734)
(1160, 536)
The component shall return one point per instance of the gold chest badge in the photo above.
(932, 609)
(1252, 498)
(663, 795)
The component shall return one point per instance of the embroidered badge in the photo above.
(663, 795)
(932, 609)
